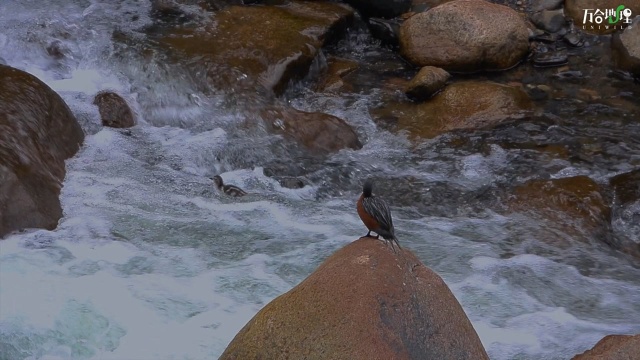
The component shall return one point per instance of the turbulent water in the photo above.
(149, 262)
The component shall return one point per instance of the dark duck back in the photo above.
(376, 216)
(230, 190)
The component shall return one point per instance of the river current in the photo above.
(150, 262)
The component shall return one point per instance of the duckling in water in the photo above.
(230, 190)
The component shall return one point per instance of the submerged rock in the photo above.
(463, 35)
(463, 105)
(252, 47)
(613, 347)
(626, 48)
(114, 110)
(363, 302)
(575, 206)
(37, 133)
(428, 81)
(318, 132)
(333, 79)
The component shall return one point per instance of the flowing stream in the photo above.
(150, 262)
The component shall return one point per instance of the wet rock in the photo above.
(626, 48)
(461, 36)
(238, 57)
(363, 302)
(626, 187)
(37, 133)
(114, 110)
(427, 82)
(290, 182)
(540, 5)
(574, 205)
(544, 37)
(320, 133)
(57, 50)
(550, 58)
(386, 9)
(613, 347)
(337, 69)
(385, 30)
(575, 9)
(463, 105)
(549, 20)
(574, 39)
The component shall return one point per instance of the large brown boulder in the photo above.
(462, 105)
(613, 347)
(626, 48)
(363, 302)
(37, 133)
(320, 133)
(575, 9)
(465, 36)
(265, 46)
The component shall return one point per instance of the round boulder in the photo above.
(465, 36)
(37, 133)
(363, 302)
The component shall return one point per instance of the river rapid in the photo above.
(150, 262)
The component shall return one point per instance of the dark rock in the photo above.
(318, 132)
(626, 48)
(626, 187)
(540, 5)
(385, 30)
(114, 110)
(574, 39)
(386, 9)
(38, 133)
(545, 37)
(363, 302)
(549, 20)
(613, 347)
(550, 58)
(290, 182)
(426, 83)
(461, 36)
